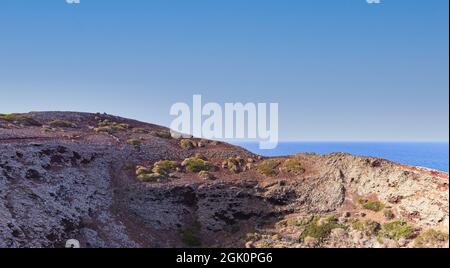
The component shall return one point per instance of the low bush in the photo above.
(318, 230)
(112, 126)
(142, 170)
(139, 130)
(368, 227)
(375, 206)
(161, 134)
(8, 116)
(153, 177)
(160, 171)
(105, 129)
(252, 236)
(187, 144)
(300, 221)
(164, 167)
(206, 175)
(431, 239)
(396, 230)
(134, 142)
(388, 214)
(293, 166)
(196, 165)
(268, 167)
(234, 164)
(20, 119)
(262, 244)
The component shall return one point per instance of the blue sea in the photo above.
(432, 155)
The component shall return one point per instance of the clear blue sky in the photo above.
(340, 70)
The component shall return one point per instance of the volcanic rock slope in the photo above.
(113, 182)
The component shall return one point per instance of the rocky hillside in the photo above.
(113, 182)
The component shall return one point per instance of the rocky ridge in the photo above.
(113, 182)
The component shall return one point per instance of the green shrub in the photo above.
(186, 144)
(380, 239)
(268, 167)
(160, 171)
(21, 119)
(206, 175)
(252, 236)
(233, 164)
(293, 166)
(120, 126)
(164, 167)
(149, 175)
(161, 134)
(153, 177)
(139, 130)
(368, 227)
(300, 221)
(388, 214)
(134, 142)
(112, 126)
(196, 165)
(431, 239)
(200, 156)
(357, 225)
(142, 170)
(376, 206)
(267, 171)
(105, 129)
(396, 230)
(8, 116)
(320, 231)
(262, 244)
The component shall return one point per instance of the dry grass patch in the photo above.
(431, 239)
(293, 166)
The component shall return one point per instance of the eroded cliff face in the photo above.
(113, 182)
